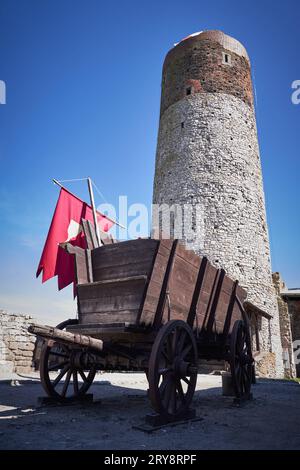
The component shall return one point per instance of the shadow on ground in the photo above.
(269, 421)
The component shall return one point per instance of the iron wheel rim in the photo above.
(241, 361)
(173, 369)
(66, 385)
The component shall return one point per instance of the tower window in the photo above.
(226, 58)
(182, 125)
(189, 90)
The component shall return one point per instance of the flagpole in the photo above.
(66, 189)
(94, 210)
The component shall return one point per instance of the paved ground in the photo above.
(270, 421)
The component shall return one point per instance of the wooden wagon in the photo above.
(148, 305)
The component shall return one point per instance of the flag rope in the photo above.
(58, 182)
(70, 181)
(99, 192)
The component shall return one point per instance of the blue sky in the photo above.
(83, 93)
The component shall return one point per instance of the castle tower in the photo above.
(208, 155)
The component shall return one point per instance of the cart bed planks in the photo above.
(153, 306)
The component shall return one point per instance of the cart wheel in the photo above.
(172, 370)
(241, 360)
(69, 365)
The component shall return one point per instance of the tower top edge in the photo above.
(228, 42)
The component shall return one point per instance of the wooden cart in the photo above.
(153, 306)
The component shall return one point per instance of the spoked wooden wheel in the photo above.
(241, 360)
(65, 373)
(172, 370)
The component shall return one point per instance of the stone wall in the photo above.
(294, 311)
(198, 63)
(285, 328)
(17, 346)
(208, 157)
(213, 162)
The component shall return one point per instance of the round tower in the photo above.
(208, 155)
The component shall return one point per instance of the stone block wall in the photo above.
(294, 311)
(212, 163)
(285, 328)
(17, 346)
(208, 159)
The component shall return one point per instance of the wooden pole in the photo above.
(59, 184)
(94, 211)
(66, 337)
(63, 187)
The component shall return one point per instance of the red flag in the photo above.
(66, 227)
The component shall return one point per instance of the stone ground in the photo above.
(270, 421)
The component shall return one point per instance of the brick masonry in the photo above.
(198, 62)
(17, 346)
(208, 155)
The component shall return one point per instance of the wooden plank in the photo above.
(183, 271)
(111, 304)
(210, 276)
(107, 317)
(119, 259)
(89, 267)
(150, 305)
(97, 326)
(142, 268)
(111, 333)
(122, 313)
(159, 268)
(203, 302)
(229, 316)
(81, 269)
(79, 260)
(106, 238)
(214, 304)
(111, 289)
(227, 285)
(93, 234)
(87, 234)
(181, 283)
(109, 301)
(159, 313)
(192, 316)
(227, 312)
(236, 315)
(206, 294)
(126, 314)
(123, 259)
(152, 297)
(222, 306)
(241, 293)
(154, 275)
(188, 255)
(210, 289)
(115, 252)
(116, 281)
(237, 311)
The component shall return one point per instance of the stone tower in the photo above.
(208, 155)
